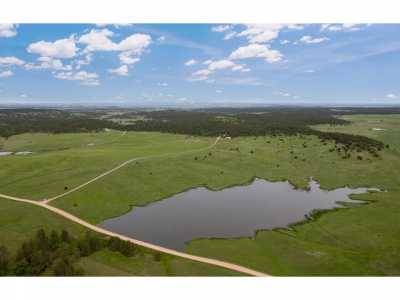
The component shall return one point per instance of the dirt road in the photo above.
(98, 229)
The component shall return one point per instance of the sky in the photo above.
(189, 65)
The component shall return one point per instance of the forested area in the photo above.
(241, 122)
(57, 253)
(231, 122)
(17, 121)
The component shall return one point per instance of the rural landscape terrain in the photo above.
(67, 173)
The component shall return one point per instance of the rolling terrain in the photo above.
(356, 241)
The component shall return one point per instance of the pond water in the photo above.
(5, 153)
(233, 212)
(23, 153)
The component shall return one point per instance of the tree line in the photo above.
(17, 121)
(231, 122)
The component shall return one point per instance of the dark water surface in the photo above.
(233, 212)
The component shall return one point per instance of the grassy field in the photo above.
(362, 240)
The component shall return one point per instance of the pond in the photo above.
(233, 212)
(5, 153)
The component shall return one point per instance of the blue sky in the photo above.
(199, 64)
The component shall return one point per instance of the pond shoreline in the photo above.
(257, 205)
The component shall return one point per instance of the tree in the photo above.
(65, 236)
(64, 267)
(127, 248)
(114, 244)
(25, 251)
(42, 240)
(84, 247)
(5, 261)
(54, 240)
(93, 242)
(22, 268)
(39, 261)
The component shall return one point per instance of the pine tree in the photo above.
(54, 240)
(5, 261)
(42, 241)
(65, 236)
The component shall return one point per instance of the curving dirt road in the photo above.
(44, 204)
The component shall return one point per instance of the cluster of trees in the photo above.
(57, 253)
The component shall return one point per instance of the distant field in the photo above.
(370, 126)
(362, 240)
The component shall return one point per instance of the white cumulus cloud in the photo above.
(191, 62)
(257, 51)
(135, 43)
(83, 61)
(230, 35)
(131, 47)
(116, 25)
(262, 33)
(64, 48)
(221, 28)
(11, 60)
(48, 63)
(346, 27)
(126, 58)
(7, 73)
(220, 64)
(213, 66)
(86, 78)
(202, 72)
(99, 40)
(307, 39)
(121, 71)
(8, 30)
